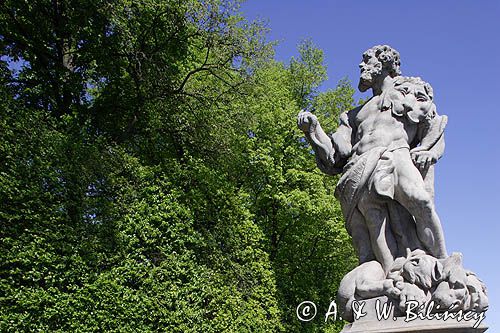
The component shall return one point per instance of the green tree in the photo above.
(152, 177)
(307, 72)
(292, 201)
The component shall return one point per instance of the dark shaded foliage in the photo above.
(152, 177)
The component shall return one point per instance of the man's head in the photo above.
(378, 61)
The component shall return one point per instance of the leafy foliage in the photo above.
(152, 175)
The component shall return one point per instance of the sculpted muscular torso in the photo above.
(374, 128)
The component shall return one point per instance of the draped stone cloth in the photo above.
(372, 171)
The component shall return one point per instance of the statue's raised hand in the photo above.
(307, 121)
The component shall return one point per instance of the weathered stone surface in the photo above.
(386, 150)
(397, 322)
(417, 326)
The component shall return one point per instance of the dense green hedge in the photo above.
(151, 174)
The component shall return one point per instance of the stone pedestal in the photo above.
(396, 324)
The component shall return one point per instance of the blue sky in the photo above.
(453, 45)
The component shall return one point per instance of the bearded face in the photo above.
(370, 69)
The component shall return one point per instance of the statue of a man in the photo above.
(385, 149)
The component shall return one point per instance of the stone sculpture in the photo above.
(385, 150)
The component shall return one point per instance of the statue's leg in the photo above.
(361, 237)
(411, 193)
(382, 240)
(404, 229)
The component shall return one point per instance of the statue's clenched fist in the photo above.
(306, 121)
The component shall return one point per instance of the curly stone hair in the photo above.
(388, 56)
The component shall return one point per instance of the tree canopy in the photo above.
(152, 177)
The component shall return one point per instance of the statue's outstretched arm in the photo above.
(331, 152)
(342, 138)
